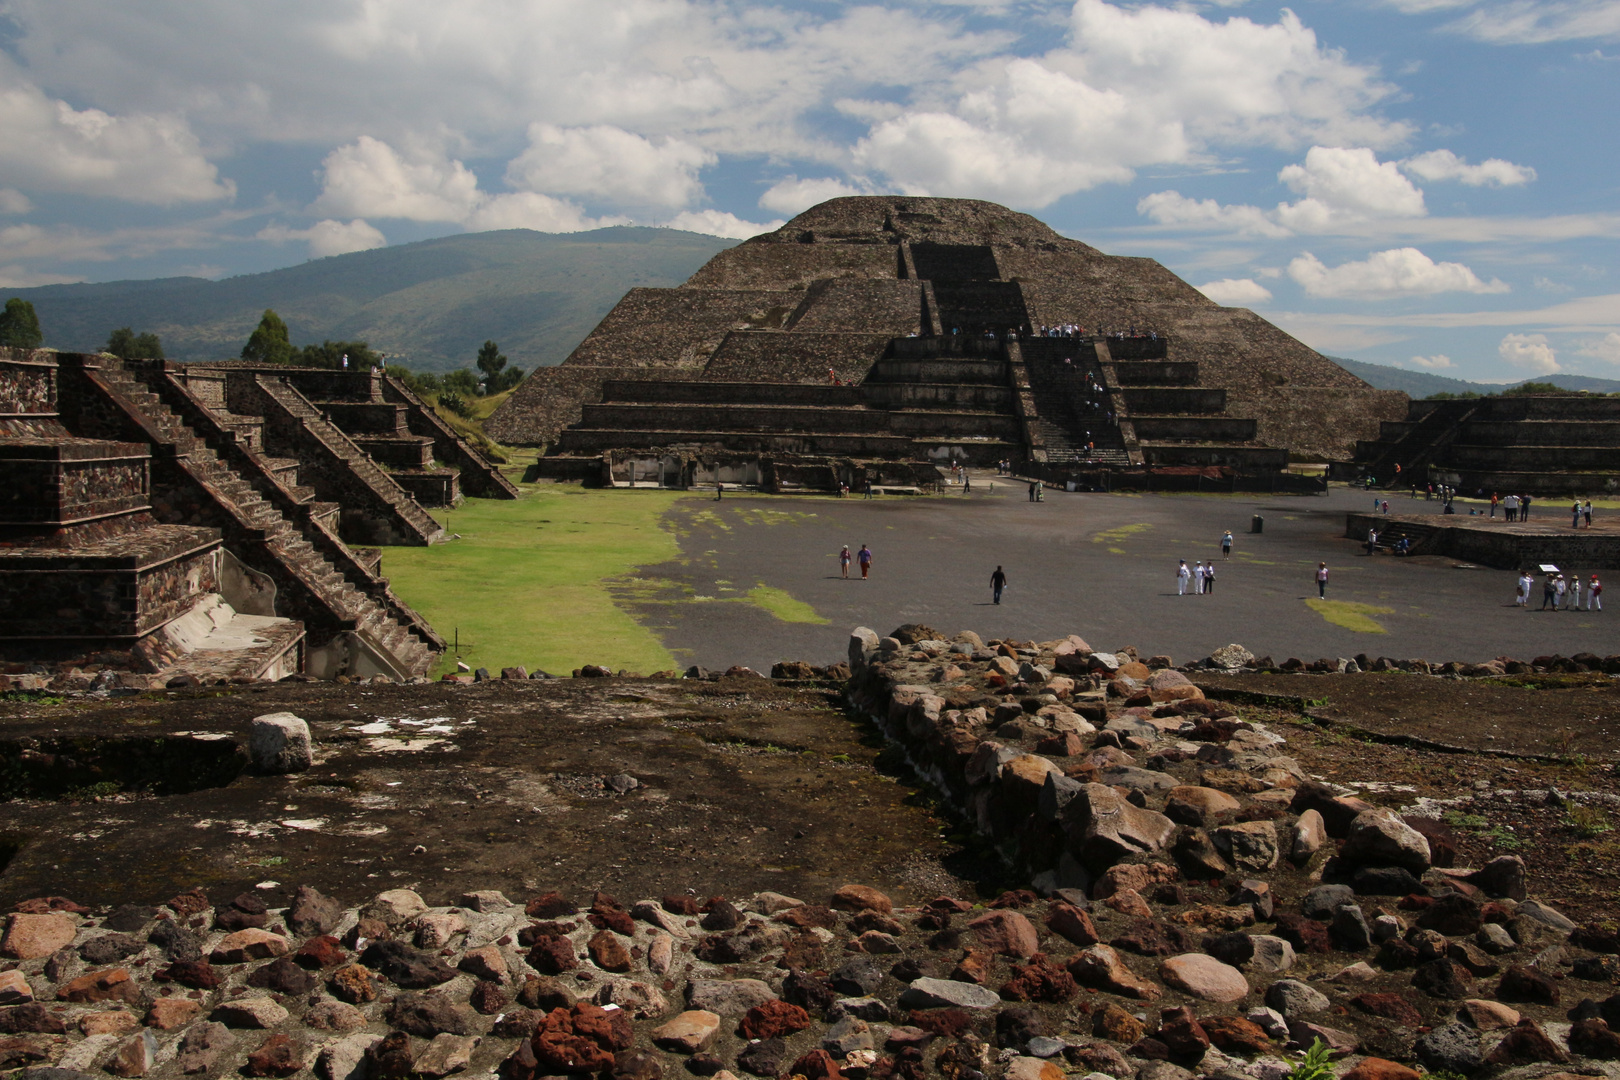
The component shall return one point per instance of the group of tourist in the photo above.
(1514, 507)
(1200, 578)
(1560, 593)
(863, 557)
(1064, 330)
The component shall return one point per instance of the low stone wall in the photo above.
(1500, 545)
(771, 356)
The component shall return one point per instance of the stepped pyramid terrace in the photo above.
(193, 523)
(874, 333)
(1541, 444)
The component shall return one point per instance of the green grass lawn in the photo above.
(526, 583)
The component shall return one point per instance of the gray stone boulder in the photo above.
(1380, 838)
(947, 993)
(863, 645)
(278, 743)
(1293, 998)
(1229, 657)
(1103, 828)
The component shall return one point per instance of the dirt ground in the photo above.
(745, 784)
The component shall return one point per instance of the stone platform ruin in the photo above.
(1556, 445)
(870, 332)
(1504, 545)
(166, 522)
(1186, 900)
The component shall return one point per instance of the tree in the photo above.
(330, 354)
(269, 343)
(461, 381)
(125, 344)
(19, 326)
(497, 376)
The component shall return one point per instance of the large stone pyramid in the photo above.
(855, 288)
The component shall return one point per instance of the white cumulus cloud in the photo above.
(329, 237)
(720, 223)
(1445, 165)
(1236, 292)
(1346, 183)
(790, 195)
(13, 201)
(531, 210)
(369, 178)
(1605, 348)
(1396, 272)
(1131, 87)
(608, 164)
(47, 145)
(1174, 208)
(1529, 351)
(1438, 362)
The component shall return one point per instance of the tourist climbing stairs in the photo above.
(275, 529)
(1418, 446)
(1062, 373)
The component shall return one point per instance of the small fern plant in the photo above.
(1316, 1065)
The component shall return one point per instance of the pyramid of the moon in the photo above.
(912, 329)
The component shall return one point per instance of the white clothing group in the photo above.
(1201, 578)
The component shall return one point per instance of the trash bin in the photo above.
(1258, 524)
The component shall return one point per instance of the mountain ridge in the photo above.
(1421, 384)
(428, 304)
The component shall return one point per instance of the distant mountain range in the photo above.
(430, 304)
(1420, 384)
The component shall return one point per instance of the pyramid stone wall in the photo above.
(829, 287)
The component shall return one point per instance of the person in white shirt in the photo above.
(1594, 594)
(1526, 583)
(1198, 578)
(1182, 574)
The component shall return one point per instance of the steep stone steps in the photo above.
(371, 610)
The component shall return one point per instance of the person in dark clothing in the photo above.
(998, 582)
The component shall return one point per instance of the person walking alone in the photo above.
(843, 561)
(865, 558)
(1226, 544)
(1321, 580)
(998, 582)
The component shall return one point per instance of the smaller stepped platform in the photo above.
(1495, 542)
(1552, 445)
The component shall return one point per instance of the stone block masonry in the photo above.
(855, 282)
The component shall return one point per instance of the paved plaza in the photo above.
(1101, 565)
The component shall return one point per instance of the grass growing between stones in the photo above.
(784, 606)
(1351, 616)
(527, 582)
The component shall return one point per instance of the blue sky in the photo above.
(1433, 184)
